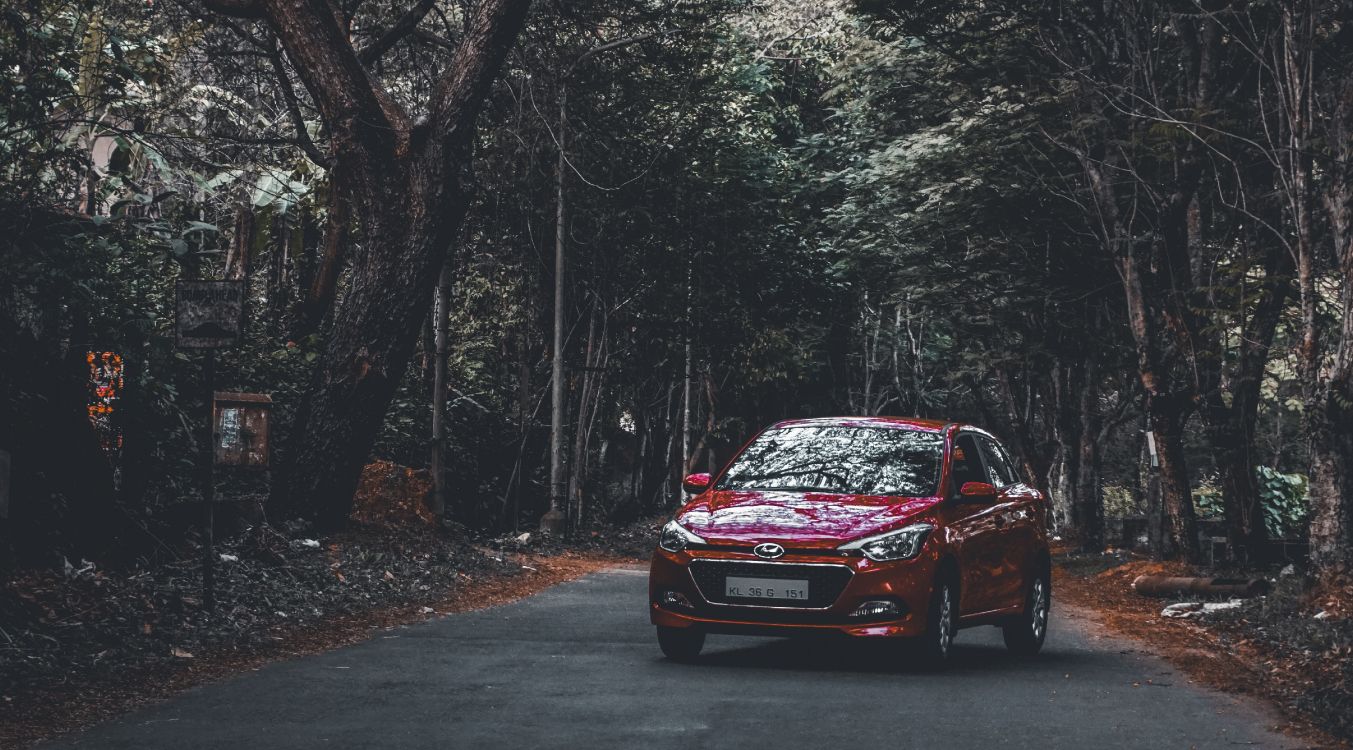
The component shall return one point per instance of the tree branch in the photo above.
(401, 28)
(435, 39)
(294, 110)
(236, 8)
(617, 44)
(460, 94)
(365, 124)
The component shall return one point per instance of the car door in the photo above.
(1014, 517)
(973, 524)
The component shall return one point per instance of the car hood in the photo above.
(795, 519)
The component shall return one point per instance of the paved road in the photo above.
(577, 667)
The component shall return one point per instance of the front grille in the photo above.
(747, 549)
(825, 582)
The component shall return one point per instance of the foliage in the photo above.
(877, 207)
(1282, 499)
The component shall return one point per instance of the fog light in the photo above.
(675, 599)
(875, 609)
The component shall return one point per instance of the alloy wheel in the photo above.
(1039, 621)
(945, 623)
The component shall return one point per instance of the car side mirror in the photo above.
(696, 483)
(976, 492)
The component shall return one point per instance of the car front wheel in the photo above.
(933, 648)
(1025, 633)
(680, 644)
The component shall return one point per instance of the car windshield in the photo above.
(842, 460)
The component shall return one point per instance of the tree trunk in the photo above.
(686, 382)
(239, 258)
(1181, 528)
(702, 445)
(1331, 437)
(1034, 462)
(1231, 428)
(1166, 409)
(1069, 382)
(318, 297)
(588, 392)
(409, 187)
(1088, 507)
(278, 283)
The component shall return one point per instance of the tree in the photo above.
(408, 183)
(1330, 405)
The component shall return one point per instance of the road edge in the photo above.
(46, 715)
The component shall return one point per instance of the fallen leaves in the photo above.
(1262, 646)
(138, 629)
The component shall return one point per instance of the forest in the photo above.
(558, 255)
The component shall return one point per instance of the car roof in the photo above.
(909, 423)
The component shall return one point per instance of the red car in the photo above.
(869, 527)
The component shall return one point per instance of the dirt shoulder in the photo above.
(81, 645)
(1271, 648)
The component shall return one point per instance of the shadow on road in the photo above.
(833, 655)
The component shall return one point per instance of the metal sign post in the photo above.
(209, 315)
(209, 487)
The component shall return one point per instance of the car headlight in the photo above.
(903, 544)
(675, 537)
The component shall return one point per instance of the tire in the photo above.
(1025, 633)
(933, 649)
(681, 644)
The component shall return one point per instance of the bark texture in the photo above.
(408, 186)
(1331, 412)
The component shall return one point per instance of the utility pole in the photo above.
(553, 520)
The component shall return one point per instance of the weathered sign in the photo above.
(209, 314)
(4, 484)
(241, 428)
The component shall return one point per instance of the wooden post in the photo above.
(440, 318)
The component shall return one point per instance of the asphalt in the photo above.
(577, 666)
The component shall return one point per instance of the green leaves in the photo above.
(1283, 500)
(195, 226)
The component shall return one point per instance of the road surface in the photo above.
(577, 667)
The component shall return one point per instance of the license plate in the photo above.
(765, 588)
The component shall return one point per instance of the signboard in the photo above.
(209, 314)
(4, 484)
(241, 429)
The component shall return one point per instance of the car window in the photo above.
(1010, 465)
(998, 472)
(967, 462)
(840, 459)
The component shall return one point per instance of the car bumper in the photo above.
(907, 583)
